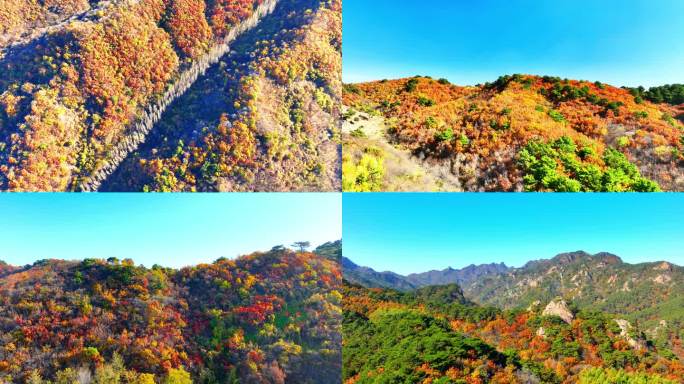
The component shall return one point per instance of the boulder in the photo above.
(559, 307)
(625, 328)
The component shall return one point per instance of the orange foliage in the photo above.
(188, 26)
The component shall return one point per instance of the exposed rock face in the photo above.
(664, 266)
(541, 332)
(569, 257)
(559, 307)
(662, 279)
(625, 328)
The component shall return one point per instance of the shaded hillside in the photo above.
(6, 268)
(77, 101)
(269, 317)
(368, 277)
(391, 336)
(519, 133)
(462, 276)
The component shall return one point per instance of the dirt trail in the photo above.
(403, 170)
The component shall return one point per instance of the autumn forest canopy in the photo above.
(268, 317)
(169, 95)
(518, 133)
(575, 318)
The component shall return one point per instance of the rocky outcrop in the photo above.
(559, 307)
(662, 279)
(541, 332)
(625, 330)
(664, 266)
(534, 306)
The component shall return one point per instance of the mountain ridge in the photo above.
(263, 317)
(434, 334)
(504, 135)
(646, 292)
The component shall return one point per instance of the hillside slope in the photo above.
(266, 118)
(648, 294)
(430, 336)
(368, 277)
(519, 133)
(77, 101)
(267, 317)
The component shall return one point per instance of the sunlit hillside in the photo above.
(182, 95)
(520, 132)
(270, 317)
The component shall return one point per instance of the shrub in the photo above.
(445, 135)
(351, 88)
(425, 102)
(556, 116)
(641, 115)
(358, 132)
(411, 85)
(177, 376)
(559, 166)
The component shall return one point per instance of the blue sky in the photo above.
(168, 229)
(408, 233)
(620, 42)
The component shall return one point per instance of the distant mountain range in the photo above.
(370, 278)
(647, 292)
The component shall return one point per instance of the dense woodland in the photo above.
(270, 317)
(264, 118)
(70, 97)
(520, 132)
(436, 335)
(648, 295)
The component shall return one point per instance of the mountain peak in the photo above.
(609, 257)
(570, 257)
(664, 266)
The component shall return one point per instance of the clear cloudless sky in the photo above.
(173, 230)
(620, 42)
(407, 233)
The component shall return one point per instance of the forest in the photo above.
(267, 317)
(87, 83)
(590, 318)
(518, 133)
(436, 335)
